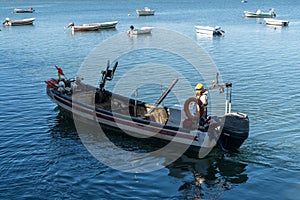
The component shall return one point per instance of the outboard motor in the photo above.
(218, 31)
(235, 126)
(6, 21)
(235, 131)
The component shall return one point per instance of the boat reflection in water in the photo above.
(212, 176)
(206, 178)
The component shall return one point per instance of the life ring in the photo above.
(188, 113)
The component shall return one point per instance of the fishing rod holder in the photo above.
(228, 97)
(107, 74)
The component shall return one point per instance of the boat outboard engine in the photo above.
(70, 24)
(235, 131)
(235, 126)
(6, 20)
(218, 31)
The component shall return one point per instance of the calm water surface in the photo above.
(42, 156)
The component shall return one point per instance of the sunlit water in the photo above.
(42, 155)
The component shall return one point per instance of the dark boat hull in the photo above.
(197, 142)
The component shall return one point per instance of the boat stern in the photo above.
(235, 131)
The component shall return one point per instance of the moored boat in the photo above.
(104, 25)
(145, 12)
(18, 10)
(83, 28)
(209, 31)
(122, 114)
(141, 31)
(260, 14)
(9, 22)
(276, 22)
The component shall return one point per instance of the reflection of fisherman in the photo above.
(201, 94)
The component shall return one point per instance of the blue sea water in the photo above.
(42, 156)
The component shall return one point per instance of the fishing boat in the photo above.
(209, 31)
(104, 25)
(18, 10)
(83, 28)
(141, 31)
(145, 12)
(9, 22)
(260, 14)
(276, 22)
(128, 115)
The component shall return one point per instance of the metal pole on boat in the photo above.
(226, 102)
(135, 102)
(230, 98)
(161, 88)
(164, 95)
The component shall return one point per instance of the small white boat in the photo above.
(145, 12)
(260, 14)
(82, 28)
(9, 22)
(209, 31)
(143, 30)
(17, 10)
(104, 25)
(276, 22)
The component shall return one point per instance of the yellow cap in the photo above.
(199, 86)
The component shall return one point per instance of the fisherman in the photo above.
(201, 94)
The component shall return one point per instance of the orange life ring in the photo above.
(188, 113)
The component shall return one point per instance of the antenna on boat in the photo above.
(228, 103)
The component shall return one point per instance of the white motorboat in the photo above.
(9, 22)
(143, 30)
(276, 22)
(82, 28)
(104, 25)
(260, 14)
(209, 31)
(145, 12)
